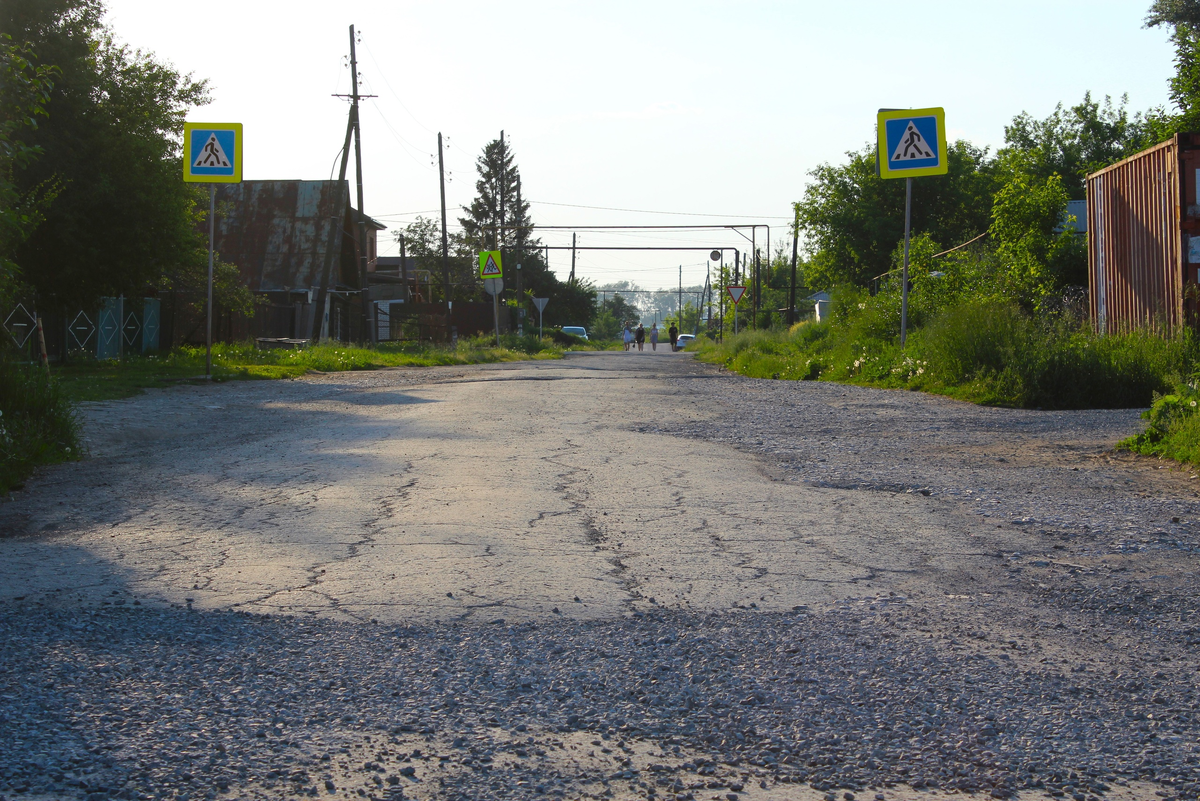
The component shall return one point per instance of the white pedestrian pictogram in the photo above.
(212, 154)
(912, 145)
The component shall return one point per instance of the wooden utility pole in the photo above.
(571, 280)
(362, 215)
(320, 329)
(404, 270)
(445, 242)
(792, 294)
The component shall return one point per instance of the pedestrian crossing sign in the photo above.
(490, 265)
(212, 152)
(912, 142)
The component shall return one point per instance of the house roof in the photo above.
(278, 232)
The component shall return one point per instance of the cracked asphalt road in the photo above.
(620, 575)
(506, 491)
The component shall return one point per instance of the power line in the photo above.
(649, 211)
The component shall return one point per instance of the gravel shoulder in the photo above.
(617, 576)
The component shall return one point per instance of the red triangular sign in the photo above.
(490, 268)
(736, 293)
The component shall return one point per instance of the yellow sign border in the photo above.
(188, 177)
(483, 255)
(881, 132)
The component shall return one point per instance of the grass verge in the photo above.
(985, 352)
(37, 423)
(108, 380)
(1173, 431)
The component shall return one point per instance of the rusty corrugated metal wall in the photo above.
(277, 233)
(1136, 240)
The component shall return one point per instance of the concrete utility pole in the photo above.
(362, 214)
(571, 280)
(681, 297)
(445, 243)
(320, 327)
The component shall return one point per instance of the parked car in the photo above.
(576, 330)
(684, 340)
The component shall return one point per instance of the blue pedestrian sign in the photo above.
(212, 152)
(912, 143)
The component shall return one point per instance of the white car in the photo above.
(576, 330)
(684, 340)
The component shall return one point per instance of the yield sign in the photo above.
(540, 303)
(736, 293)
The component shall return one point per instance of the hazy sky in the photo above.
(692, 108)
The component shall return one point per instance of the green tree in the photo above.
(24, 91)
(483, 229)
(1174, 13)
(1071, 142)
(1034, 258)
(1182, 17)
(499, 183)
(112, 139)
(853, 219)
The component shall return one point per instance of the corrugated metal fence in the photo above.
(1138, 229)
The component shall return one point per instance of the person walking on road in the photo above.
(628, 336)
(674, 334)
(654, 337)
(640, 336)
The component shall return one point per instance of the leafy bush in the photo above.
(37, 423)
(987, 351)
(1174, 426)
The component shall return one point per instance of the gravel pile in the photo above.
(128, 701)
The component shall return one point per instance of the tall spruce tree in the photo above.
(499, 185)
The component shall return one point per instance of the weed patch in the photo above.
(37, 423)
(987, 351)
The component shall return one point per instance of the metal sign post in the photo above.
(491, 270)
(494, 286)
(911, 143)
(212, 154)
(735, 294)
(540, 303)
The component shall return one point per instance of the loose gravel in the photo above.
(129, 702)
(1065, 669)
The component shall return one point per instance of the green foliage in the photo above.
(1072, 142)
(104, 380)
(24, 91)
(112, 139)
(1173, 13)
(1173, 429)
(853, 219)
(37, 423)
(987, 351)
(1034, 260)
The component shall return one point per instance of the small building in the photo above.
(1143, 226)
(283, 236)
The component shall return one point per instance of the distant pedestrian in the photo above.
(640, 336)
(628, 337)
(673, 332)
(654, 337)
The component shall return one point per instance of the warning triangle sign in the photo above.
(736, 293)
(490, 268)
(912, 145)
(212, 154)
